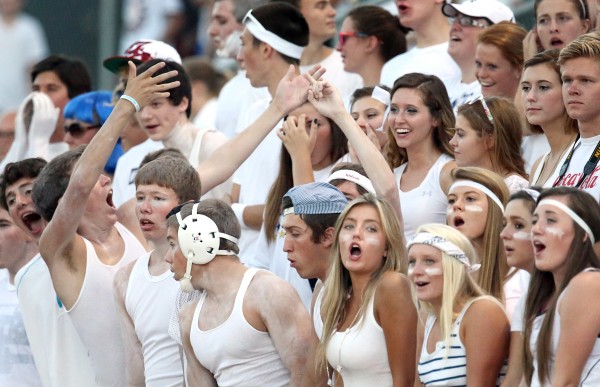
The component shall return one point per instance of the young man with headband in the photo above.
(249, 326)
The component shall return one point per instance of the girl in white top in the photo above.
(541, 97)
(418, 148)
(367, 299)
(466, 335)
(562, 319)
(488, 135)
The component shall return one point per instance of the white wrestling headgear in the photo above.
(199, 240)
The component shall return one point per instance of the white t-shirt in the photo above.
(432, 60)
(123, 183)
(583, 150)
(17, 367)
(514, 288)
(22, 45)
(146, 19)
(461, 93)
(235, 97)
(344, 81)
(207, 116)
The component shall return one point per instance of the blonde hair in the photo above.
(494, 268)
(583, 46)
(338, 283)
(459, 287)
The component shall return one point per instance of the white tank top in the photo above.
(360, 353)
(426, 203)
(95, 316)
(434, 369)
(148, 301)
(316, 316)
(591, 370)
(235, 352)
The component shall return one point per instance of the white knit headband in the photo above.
(354, 177)
(576, 218)
(481, 187)
(442, 244)
(279, 44)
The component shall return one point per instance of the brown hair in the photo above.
(508, 38)
(171, 172)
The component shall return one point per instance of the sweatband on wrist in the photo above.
(135, 103)
(238, 209)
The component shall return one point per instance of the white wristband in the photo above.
(238, 209)
(135, 103)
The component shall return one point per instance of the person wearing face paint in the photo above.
(145, 290)
(499, 59)
(516, 236)
(547, 118)
(475, 208)
(488, 135)
(557, 23)
(249, 327)
(369, 318)
(465, 339)
(562, 315)
(418, 128)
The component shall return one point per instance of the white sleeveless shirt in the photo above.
(426, 203)
(148, 301)
(437, 370)
(360, 353)
(590, 376)
(316, 313)
(95, 315)
(235, 352)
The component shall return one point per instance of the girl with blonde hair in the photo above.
(466, 334)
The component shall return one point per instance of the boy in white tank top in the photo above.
(256, 305)
(145, 290)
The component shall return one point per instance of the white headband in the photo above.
(442, 244)
(354, 177)
(576, 218)
(381, 95)
(481, 187)
(279, 44)
(532, 193)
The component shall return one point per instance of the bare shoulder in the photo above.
(485, 312)
(583, 287)
(393, 287)
(445, 178)
(266, 286)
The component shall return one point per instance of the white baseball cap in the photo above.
(142, 51)
(492, 10)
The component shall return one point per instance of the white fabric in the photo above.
(461, 93)
(207, 141)
(23, 44)
(280, 45)
(271, 255)
(148, 302)
(235, 352)
(532, 147)
(426, 203)
(361, 352)
(17, 367)
(235, 97)
(443, 245)
(515, 183)
(480, 187)
(432, 60)
(590, 376)
(94, 314)
(583, 150)
(207, 116)
(434, 369)
(53, 339)
(344, 81)
(146, 19)
(354, 177)
(123, 183)
(516, 322)
(316, 313)
(572, 214)
(514, 289)
(256, 175)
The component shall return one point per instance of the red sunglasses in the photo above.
(342, 36)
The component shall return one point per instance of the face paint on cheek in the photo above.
(556, 232)
(449, 211)
(433, 271)
(473, 208)
(411, 270)
(522, 236)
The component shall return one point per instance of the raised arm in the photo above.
(326, 99)
(134, 358)
(579, 328)
(291, 93)
(299, 143)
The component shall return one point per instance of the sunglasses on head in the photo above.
(77, 130)
(466, 21)
(343, 36)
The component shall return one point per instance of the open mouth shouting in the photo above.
(355, 252)
(538, 247)
(33, 221)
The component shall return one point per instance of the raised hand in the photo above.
(144, 87)
(292, 90)
(531, 44)
(44, 118)
(325, 98)
(297, 139)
